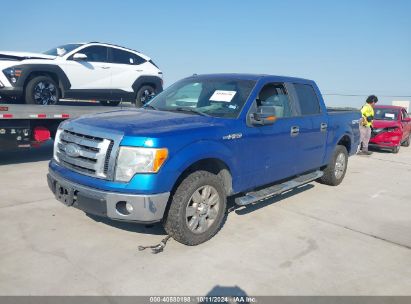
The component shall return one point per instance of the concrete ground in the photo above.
(354, 239)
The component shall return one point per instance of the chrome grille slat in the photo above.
(76, 161)
(83, 152)
(91, 154)
(70, 137)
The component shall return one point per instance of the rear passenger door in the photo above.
(126, 68)
(312, 127)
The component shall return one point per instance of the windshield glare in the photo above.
(62, 49)
(218, 97)
(386, 114)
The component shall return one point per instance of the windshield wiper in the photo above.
(190, 110)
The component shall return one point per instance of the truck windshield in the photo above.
(62, 49)
(386, 114)
(218, 97)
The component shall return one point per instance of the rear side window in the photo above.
(95, 53)
(124, 57)
(307, 99)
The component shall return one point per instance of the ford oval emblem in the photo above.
(72, 150)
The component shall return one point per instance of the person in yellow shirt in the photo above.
(367, 112)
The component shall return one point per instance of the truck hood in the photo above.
(381, 124)
(147, 123)
(18, 56)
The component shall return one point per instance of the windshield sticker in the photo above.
(390, 115)
(223, 96)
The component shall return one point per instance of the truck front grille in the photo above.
(84, 153)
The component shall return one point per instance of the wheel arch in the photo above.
(154, 81)
(212, 165)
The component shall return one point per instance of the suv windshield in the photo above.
(218, 97)
(386, 114)
(62, 49)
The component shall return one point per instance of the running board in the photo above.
(265, 193)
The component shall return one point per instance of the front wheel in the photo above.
(396, 149)
(335, 171)
(143, 95)
(42, 90)
(197, 210)
(407, 142)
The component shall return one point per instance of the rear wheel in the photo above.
(144, 94)
(42, 90)
(335, 171)
(197, 210)
(109, 103)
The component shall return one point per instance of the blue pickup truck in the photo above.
(203, 139)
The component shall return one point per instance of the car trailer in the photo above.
(25, 126)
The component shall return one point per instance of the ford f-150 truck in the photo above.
(203, 139)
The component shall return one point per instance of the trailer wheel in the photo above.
(198, 209)
(143, 95)
(335, 171)
(110, 103)
(42, 90)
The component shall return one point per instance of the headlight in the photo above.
(133, 160)
(13, 74)
(56, 142)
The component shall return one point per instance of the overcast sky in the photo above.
(347, 47)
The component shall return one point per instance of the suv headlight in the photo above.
(132, 160)
(13, 74)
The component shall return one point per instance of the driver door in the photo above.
(89, 78)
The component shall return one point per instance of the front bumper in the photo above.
(146, 208)
(386, 140)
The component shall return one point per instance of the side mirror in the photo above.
(79, 56)
(264, 115)
(407, 119)
(262, 119)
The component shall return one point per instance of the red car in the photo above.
(391, 128)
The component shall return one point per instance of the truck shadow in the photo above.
(27, 155)
(154, 229)
(243, 210)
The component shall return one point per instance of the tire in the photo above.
(109, 103)
(143, 95)
(196, 194)
(396, 149)
(42, 90)
(407, 142)
(335, 171)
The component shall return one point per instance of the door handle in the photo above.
(323, 127)
(105, 67)
(295, 130)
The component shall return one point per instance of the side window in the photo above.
(404, 114)
(273, 99)
(124, 57)
(307, 99)
(95, 53)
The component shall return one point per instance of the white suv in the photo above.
(87, 71)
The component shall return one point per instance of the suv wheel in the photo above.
(198, 209)
(144, 94)
(335, 171)
(42, 90)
